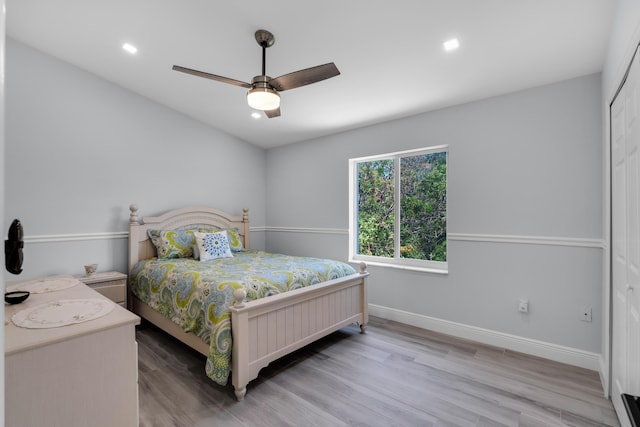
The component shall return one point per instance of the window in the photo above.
(398, 209)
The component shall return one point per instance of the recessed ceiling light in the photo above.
(451, 44)
(256, 115)
(130, 48)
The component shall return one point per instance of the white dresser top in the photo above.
(19, 339)
(102, 277)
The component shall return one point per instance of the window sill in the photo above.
(402, 266)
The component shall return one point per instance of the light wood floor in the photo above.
(394, 375)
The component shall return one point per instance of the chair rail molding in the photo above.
(76, 237)
(468, 237)
(459, 237)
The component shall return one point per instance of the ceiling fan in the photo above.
(263, 90)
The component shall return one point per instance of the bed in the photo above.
(250, 332)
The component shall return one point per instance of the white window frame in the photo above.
(395, 262)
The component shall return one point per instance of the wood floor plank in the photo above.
(394, 375)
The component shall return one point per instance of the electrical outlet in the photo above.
(585, 315)
(523, 306)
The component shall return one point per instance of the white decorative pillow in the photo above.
(213, 245)
(233, 234)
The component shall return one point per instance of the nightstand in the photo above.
(111, 284)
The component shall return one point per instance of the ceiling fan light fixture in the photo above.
(263, 98)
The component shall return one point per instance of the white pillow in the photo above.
(213, 245)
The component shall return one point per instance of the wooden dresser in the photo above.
(84, 374)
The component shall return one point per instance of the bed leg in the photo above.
(363, 328)
(240, 392)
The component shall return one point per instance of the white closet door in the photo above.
(633, 221)
(625, 245)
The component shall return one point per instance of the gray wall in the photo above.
(79, 150)
(525, 164)
(622, 42)
(524, 167)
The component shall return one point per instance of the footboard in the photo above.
(269, 328)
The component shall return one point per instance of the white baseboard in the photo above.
(558, 353)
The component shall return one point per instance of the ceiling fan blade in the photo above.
(211, 76)
(272, 113)
(304, 77)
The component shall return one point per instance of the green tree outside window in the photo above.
(401, 206)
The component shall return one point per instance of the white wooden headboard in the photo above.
(140, 245)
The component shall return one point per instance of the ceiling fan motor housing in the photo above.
(261, 81)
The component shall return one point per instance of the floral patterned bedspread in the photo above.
(197, 295)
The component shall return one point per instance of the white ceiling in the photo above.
(389, 53)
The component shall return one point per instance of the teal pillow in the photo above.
(173, 243)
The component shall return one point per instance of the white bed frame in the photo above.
(263, 330)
